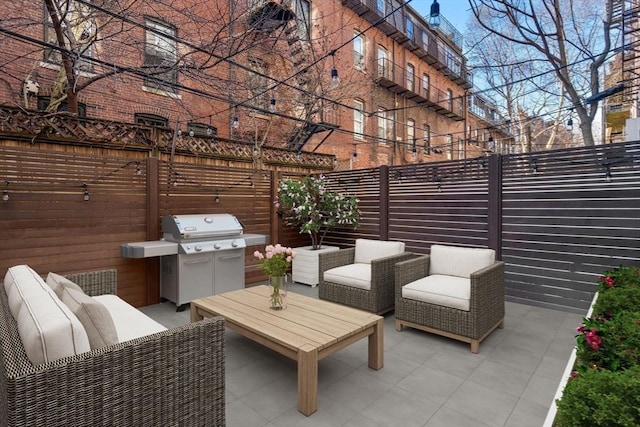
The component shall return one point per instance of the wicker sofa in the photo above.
(456, 292)
(175, 377)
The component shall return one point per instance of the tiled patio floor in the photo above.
(426, 381)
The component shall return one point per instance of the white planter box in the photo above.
(305, 265)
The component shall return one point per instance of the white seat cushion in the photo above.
(130, 322)
(449, 291)
(458, 261)
(48, 329)
(367, 250)
(356, 275)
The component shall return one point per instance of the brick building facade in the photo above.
(256, 71)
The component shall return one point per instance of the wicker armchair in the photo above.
(171, 378)
(462, 297)
(361, 277)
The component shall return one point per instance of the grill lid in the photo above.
(178, 228)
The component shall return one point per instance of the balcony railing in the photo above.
(397, 79)
(420, 39)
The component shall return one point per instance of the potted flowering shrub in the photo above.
(309, 205)
(275, 262)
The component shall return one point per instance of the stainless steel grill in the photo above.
(201, 255)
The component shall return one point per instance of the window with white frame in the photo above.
(303, 19)
(409, 28)
(425, 85)
(426, 139)
(358, 51)
(380, 6)
(411, 135)
(411, 72)
(77, 23)
(160, 55)
(358, 119)
(383, 125)
(383, 63)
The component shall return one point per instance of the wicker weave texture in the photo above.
(171, 378)
(379, 299)
(486, 306)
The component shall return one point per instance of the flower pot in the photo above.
(278, 297)
(305, 264)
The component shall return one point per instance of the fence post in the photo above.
(384, 203)
(153, 228)
(494, 220)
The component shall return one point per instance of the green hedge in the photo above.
(605, 386)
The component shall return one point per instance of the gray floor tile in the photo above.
(427, 380)
(482, 403)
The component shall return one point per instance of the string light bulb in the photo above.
(85, 196)
(138, 170)
(434, 15)
(335, 79)
(272, 105)
(235, 124)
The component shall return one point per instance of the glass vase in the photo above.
(278, 298)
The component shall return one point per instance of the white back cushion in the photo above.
(367, 250)
(48, 329)
(129, 322)
(458, 261)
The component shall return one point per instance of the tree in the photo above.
(571, 38)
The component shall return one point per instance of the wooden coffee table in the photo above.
(308, 330)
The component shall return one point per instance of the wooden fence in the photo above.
(558, 218)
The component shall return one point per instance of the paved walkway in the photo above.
(427, 380)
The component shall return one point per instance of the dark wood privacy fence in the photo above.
(558, 219)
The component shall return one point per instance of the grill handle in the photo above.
(198, 261)
(224, 258)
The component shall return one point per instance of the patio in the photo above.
(427, 380)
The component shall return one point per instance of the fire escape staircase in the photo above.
(270, 17)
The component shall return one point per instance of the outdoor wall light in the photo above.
(85, 196)
(434, 16)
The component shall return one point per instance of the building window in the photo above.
(303, 19)
(409, 28)
(358, 52)
(383, 125)
(383, 63)
(411, 77)
(425, 41)
(160, 55)
(449, 100)
(380, 6)
(358, 119)
(258, 84)
(460, 148)
(450, 147)
(151, 120)
(425, 86)
(411, 135)
(426, 139)
(78, 17)
(44, 101)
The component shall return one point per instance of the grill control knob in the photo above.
(217, 246)
(198, 248)
(234, 244)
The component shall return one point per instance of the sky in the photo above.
(455, 11)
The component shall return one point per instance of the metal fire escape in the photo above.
(269, 17)
(625, 18)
